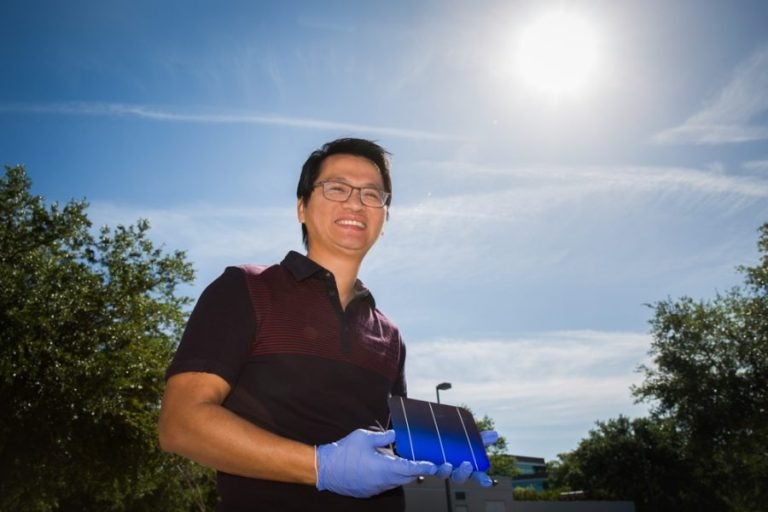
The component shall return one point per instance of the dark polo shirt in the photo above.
(299, 366)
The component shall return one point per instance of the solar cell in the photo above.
(436, 432)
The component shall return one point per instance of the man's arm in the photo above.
(194, 424)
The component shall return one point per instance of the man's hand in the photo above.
(354, 467)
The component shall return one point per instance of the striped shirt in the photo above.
(299, 366)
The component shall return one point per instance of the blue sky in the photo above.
(528, 228)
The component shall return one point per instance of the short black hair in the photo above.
(346, 146)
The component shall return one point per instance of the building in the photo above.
(428, 495)
(533, 472)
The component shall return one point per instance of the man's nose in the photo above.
(355, 199)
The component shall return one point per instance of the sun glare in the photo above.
(557, 54)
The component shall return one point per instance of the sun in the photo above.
(557, 54)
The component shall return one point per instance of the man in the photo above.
(283, 372)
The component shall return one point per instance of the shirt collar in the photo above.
(302, 268)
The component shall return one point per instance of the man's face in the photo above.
(343, 228)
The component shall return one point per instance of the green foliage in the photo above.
(531, 494)
(710, 377)
(704, 446)
(625, 459)
(87, 327)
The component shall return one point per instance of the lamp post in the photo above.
(444, 386)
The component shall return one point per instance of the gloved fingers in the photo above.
(461, 474)
(394, 471)
(482, 478)
(354, 466)
(444, 470)
(409, 468)
(380, 439)
(489, 437)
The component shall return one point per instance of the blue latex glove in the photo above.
(354, 467)
(489, 437)
(464, 471)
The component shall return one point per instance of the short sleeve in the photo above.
(219, 331)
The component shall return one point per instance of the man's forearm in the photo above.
(211, 435)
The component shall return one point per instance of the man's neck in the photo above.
(344, 270)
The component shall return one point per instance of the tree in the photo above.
(710, 377)
(623, 459)
(87, 326)
(705, 444)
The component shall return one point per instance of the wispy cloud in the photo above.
(536, 383)
(727, 118)
(756, 165)
(631, 177)
(546, 220)
(558, 219)
(213, 236)
(168, 115)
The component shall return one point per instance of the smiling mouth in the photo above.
(353, 223)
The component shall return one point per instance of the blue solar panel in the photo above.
(436, 432)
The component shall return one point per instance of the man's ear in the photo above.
(300, 210)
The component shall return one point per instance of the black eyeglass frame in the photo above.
(382, 194)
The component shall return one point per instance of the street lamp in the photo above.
(444, 386)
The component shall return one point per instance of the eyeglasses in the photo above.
(340, 191)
